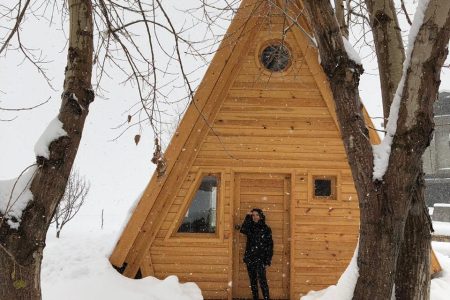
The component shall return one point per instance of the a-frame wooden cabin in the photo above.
(262, 133)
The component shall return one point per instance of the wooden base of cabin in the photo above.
(254, 138)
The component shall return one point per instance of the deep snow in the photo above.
(76, 267)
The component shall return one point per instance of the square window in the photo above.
(324, 187)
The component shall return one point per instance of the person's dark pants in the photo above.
(257, 272)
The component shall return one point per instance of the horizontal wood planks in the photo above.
(257, 123)
(268, 121)
(205, 261)
(274, 120)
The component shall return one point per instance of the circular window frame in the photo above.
(262, 46)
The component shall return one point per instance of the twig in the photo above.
(25, 108)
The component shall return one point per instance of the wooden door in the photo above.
(271, 193)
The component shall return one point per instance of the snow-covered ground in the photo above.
(76, 267)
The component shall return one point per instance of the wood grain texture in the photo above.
(262, 124)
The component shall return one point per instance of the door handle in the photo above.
(237, 227)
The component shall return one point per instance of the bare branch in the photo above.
(20, 15)
(406, 12)
(25, 108)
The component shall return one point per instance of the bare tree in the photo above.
(75, 195)
(21, 250)
(115, 25)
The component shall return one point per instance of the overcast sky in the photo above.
(118, 169)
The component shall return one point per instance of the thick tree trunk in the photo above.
(379, 244)
(21, 250)
(21, 282)
(412, 280)
(384, 205)
(410, 283)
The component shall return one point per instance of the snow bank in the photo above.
(54, 131)
(15, 195)
(343, 290)
(440, 287)
(76, 267)
(382, 151)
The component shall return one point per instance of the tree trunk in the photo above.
(340, 15)
(56, 217)
(21, 250)
(412, 280)
(379, 244)
(384, 205)
(391, 54)
(388, 47)
(21, 282)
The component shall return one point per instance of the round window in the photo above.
(275, 57)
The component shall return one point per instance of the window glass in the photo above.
(201, 215)
(275, 57)
(322, 187)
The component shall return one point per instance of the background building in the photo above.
(436, 158)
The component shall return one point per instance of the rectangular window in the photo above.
(324, 187)
(201, 215)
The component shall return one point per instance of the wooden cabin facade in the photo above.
(261, 133)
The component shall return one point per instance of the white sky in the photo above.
(118, 170)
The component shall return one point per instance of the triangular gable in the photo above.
(195, 125)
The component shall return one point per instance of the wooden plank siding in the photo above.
(193, 130)
(260, 123)
(202, 260)
(129, 248)
(278, 122)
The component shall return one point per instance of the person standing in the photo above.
(258, 250)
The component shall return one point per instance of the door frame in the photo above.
(234, 220)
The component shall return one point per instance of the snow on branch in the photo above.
(351, 52)
(15, 195)
(382, 151)
(53, 132)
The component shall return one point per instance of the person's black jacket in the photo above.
(259, 240)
